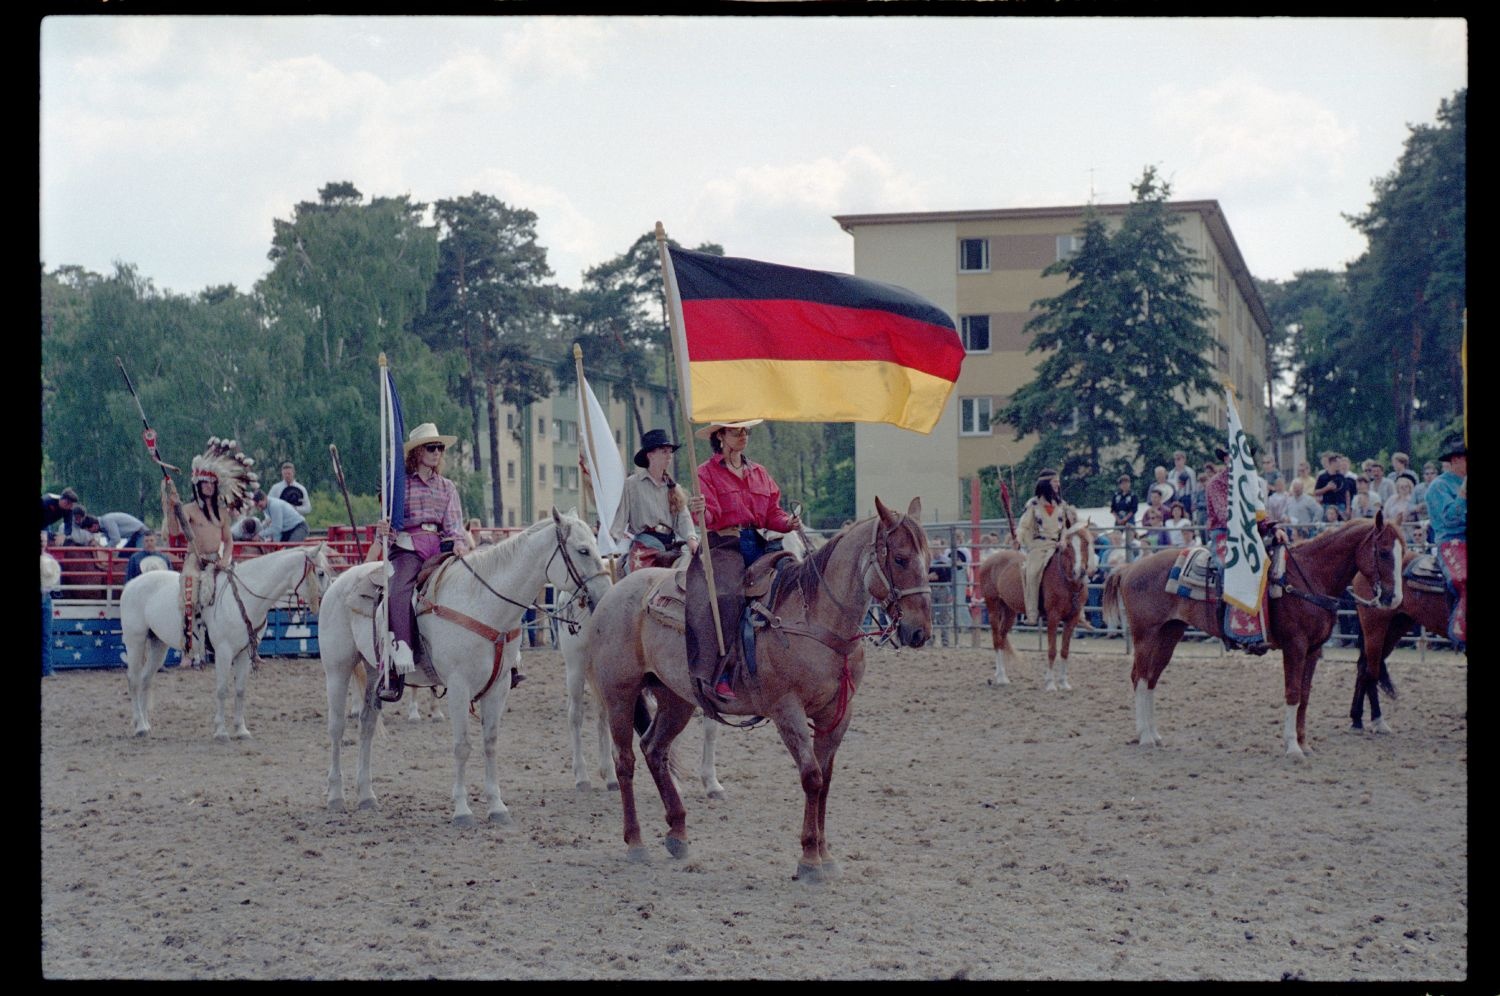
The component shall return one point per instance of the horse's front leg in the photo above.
(1357, 707)
(707, 771)
(223, 674)
(1050, 685)
(241, 683)
(575, 682)
(1293, 659)
(491, 710)
(369, 720)
(672, 716)
(1067, 642)
(462, 815)
(791, 722)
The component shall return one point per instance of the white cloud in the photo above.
(1242, 131)
(552, 48)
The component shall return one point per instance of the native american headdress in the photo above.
(223, 462)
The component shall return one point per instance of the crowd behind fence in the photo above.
(96, 575)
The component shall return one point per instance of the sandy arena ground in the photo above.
(985, 833)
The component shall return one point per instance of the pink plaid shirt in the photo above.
(433, 502)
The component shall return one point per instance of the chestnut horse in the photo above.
(1064, 585)
(809, 662)
(1382, 630)
(1318, 573)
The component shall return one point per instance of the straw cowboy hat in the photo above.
(424, 434)
(655, 439)
(713, 427)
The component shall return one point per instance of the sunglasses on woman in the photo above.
(434, 447)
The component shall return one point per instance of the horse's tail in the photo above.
(1114, 611)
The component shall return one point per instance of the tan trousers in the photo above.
(1037, 556)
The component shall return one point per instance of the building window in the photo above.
(617, 437)
(558, 480)
(510, 470)
(541, 474)
(541, 429)
(973, 255)
(510, 420)
(1068, 245)
(510, 515)
(974, 417)
(976, 333)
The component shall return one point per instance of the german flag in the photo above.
(767, 341)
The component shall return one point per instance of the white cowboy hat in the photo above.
(712, 427)
(424, 434)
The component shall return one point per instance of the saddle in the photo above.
(372, 589)
(745, 597)
(1424, 574)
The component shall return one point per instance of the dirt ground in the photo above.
(984, 833)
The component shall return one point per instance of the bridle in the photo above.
(580, 582)
(1327, 602)
(877, 558)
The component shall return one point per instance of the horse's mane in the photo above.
(506, 550)
(1326, 536)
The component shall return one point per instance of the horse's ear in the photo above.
(556, 516)
(914, 510)
(1379, 519)
(886, 515)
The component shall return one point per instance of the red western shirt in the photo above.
(731, 501)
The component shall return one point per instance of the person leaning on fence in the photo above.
(1448, 510)
(433, 522)
(653, 514)
(1044, 519)
(283, 523)
(62, 507)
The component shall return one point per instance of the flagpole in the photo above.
(587, 444)
(706, 554)
(382, 612)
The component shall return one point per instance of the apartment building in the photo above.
(539, 449)
(985, 269)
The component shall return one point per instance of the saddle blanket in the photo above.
(368, 593)
(1424, 574)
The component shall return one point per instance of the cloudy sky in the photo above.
(173, 142)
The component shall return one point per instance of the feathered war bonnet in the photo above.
(223, 463)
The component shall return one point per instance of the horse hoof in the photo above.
(1049, 687)
(1379, 726)
(716, 793)
(638, 856)
(222, 738)
(832, 870)
(465, 820)
(1064, 686)
(142, 732)
(812, 874)
(583, 786)
(368, 806)
(336, 806)
(501, 817)
(242, 735)
(1002, 680)
(612, 786)
(677, 847)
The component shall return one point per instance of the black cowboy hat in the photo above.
(652, 440)
(1453, 445)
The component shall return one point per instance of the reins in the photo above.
(1328, 603)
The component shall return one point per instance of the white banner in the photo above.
(596, 444)
(1245, 566)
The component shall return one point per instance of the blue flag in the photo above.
(393, 474)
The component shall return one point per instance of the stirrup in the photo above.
(391, 692)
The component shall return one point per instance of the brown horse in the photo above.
(1318, 572)
(1383, 630)
(1064, 585)
(809, 663)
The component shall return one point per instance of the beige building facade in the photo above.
(985, 269)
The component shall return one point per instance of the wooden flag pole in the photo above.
(670, 288)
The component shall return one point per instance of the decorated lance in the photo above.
(1009, 519)
(338, 473)
(149, 435)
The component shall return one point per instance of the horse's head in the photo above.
(1378, 558)
(576, 565)
(901, 561)
(316, 575)
(1076, 552)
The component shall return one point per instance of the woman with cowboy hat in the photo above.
(431, 523)
(737, 499)
(653, 513)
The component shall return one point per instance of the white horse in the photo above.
(491, 588)
(151, 617)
